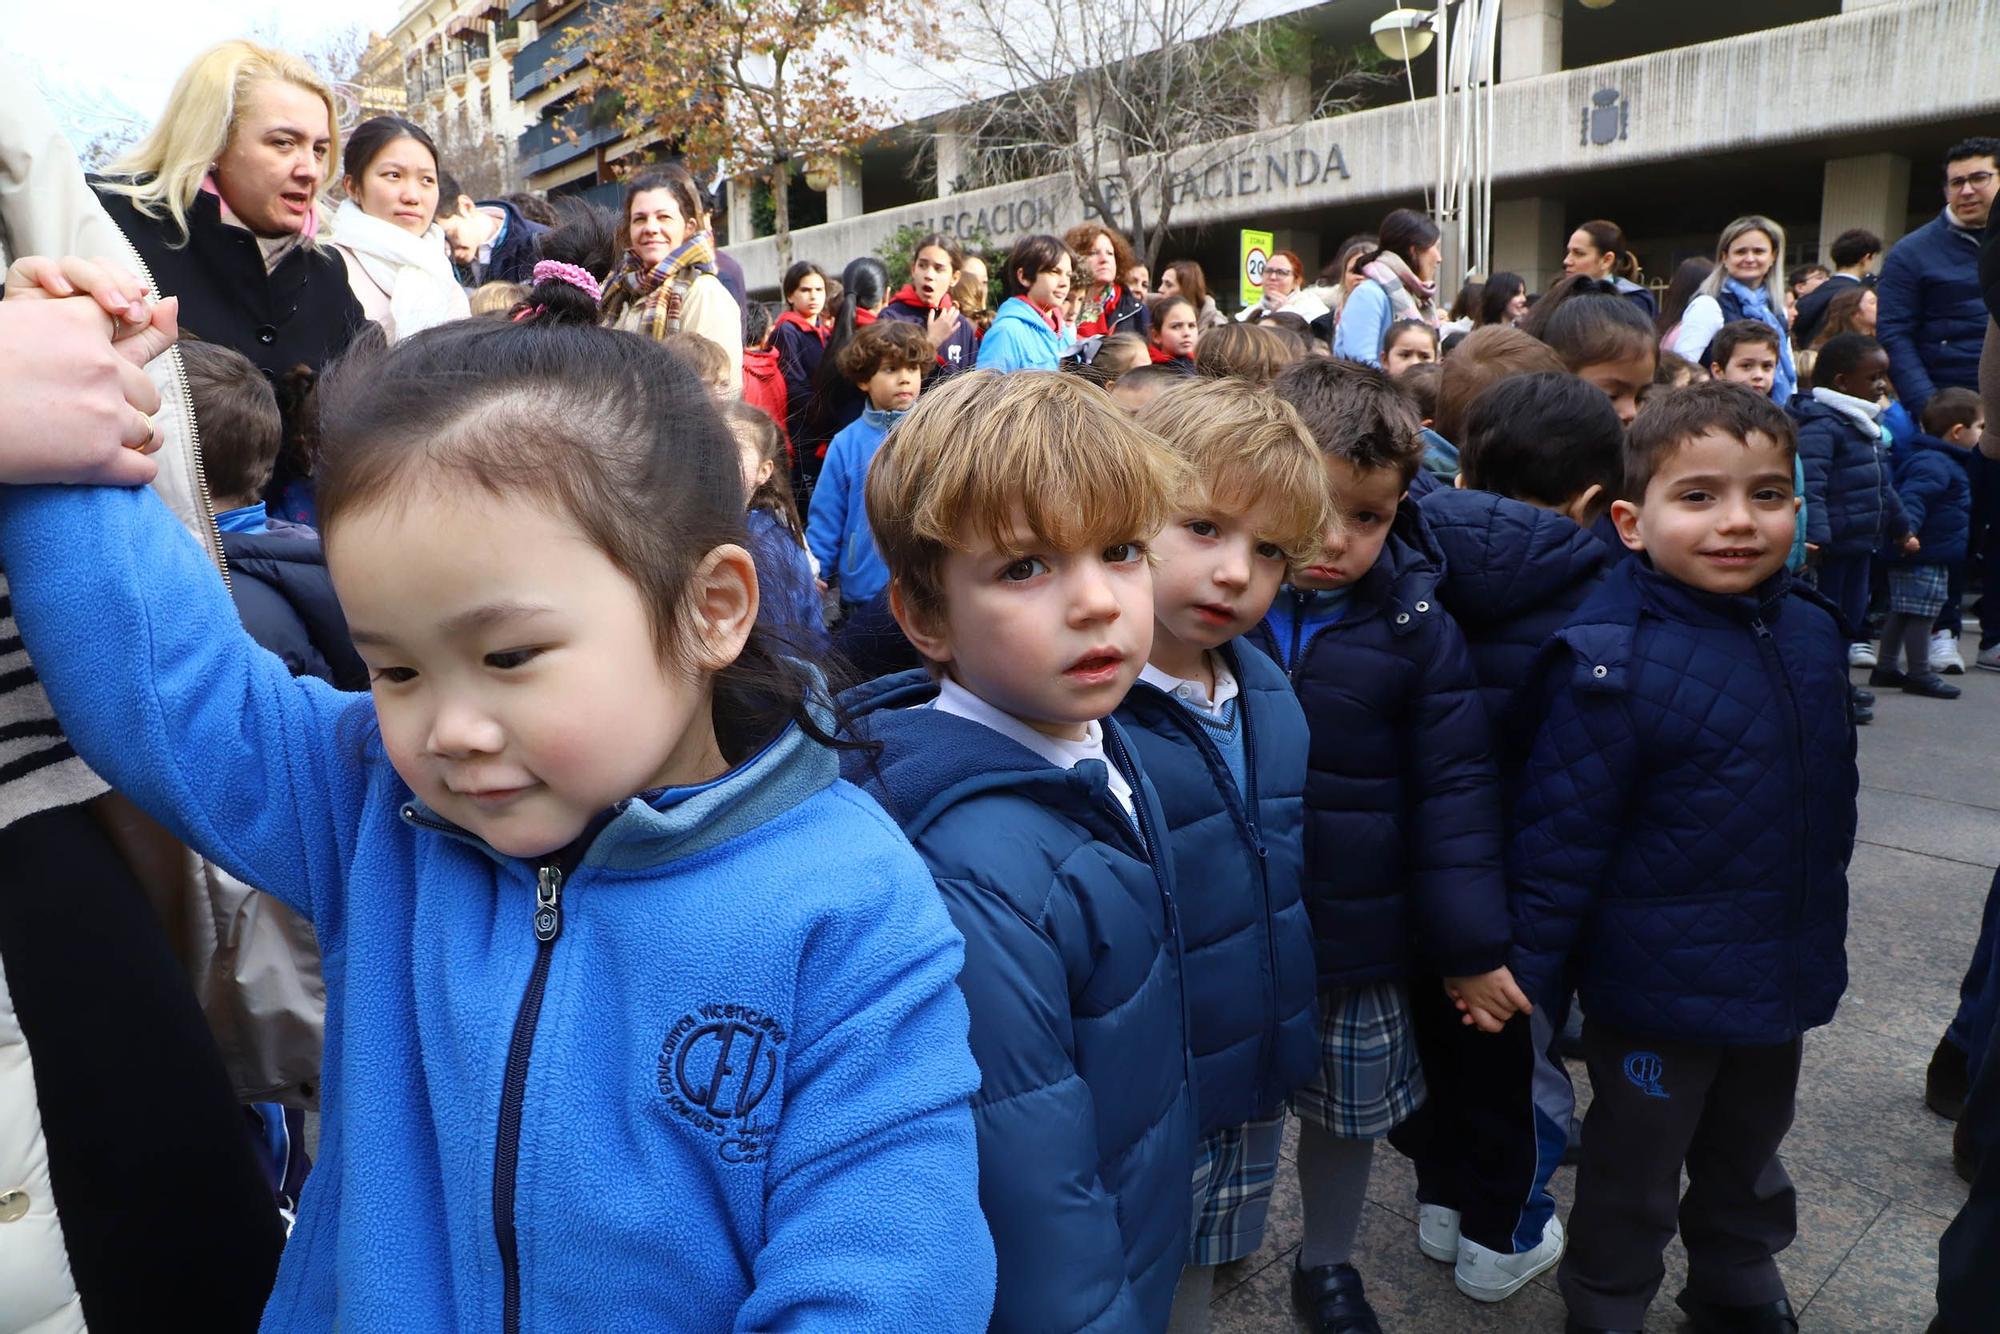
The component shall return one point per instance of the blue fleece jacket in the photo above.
(1079, 1023)
(837, 523)
(1019, 339)
(1239, 857)
(741, 1101)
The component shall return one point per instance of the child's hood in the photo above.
(1504, 558)
(656, 829)
(930, 761)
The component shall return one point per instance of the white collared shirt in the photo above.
(1193, 693)
(954, 698)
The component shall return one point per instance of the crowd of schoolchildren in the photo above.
(1224, 721)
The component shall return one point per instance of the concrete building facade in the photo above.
(457, 58)
(1669, 118)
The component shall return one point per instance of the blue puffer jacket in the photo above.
(1085, 1112)
(1252, 997)
(1933, 320)
(285, 597)
(1934, 481)
(1512, 576)
(1403, 820)
(1680, 846)
(646, 1083)
(1851, 504)
(1019, 339)
(789, 598)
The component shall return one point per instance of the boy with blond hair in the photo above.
(1019, 570)
(1221, 735)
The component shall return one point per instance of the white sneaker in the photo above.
(1489, 1276)
(1437, 1232)
(1944, 654)
(1988, 659)
(1860, 655)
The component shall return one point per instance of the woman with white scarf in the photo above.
(1402, 285)
(387, 232)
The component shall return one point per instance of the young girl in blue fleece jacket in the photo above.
(638, 1017)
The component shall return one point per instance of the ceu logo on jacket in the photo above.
(717, 1067)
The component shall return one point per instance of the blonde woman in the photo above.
(1747, 284)
(221, 200)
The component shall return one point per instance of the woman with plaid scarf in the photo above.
(666, 281)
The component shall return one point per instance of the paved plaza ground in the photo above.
(1872, 1164)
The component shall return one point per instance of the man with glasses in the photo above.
(1932, 320)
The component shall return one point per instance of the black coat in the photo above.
(304, 312)
(285, 597)
(514, 255)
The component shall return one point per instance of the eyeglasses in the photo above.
(1276, 272)
(1978, 180)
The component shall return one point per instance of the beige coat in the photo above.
(710, 311)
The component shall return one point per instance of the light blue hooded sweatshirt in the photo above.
(707, 1072)
(1020, 340)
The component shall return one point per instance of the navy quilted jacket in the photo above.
(1679, 849)
(1932, 321)
(1934, 481)
(284, 595)
(1512, 576)
(1085, 1112)
(1252, 997)
(1851, 504)
(1403, 821)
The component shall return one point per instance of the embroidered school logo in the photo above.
(716, 1067)
(1644, 1069)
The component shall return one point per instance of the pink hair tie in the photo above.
(574, 274)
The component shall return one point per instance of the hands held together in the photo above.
(74, 404)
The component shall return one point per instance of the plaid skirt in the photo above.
(1919, 589)
(1369, 1078)
(1234, 1171)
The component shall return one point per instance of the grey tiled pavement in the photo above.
(1872, 1164)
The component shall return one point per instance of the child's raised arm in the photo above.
(162, 692)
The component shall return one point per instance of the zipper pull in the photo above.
(548, 903)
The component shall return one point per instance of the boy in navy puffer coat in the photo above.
(1403, 820)
(1221, 735)
(1543, 455)
(1019, 571)
(1679, 850)
(1935, 487)
(1851, 506)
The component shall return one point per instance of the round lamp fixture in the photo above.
(1596, 4)
(1404, 34)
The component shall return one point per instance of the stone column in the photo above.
(843, 193)
(1284, 102)
(1531, 38)
(951, 143)
(1871, 192)
(742, 219)
(1528, 239)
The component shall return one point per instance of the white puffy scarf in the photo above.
(414, 270)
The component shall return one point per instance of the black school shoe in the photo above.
(1764, 1318)
(1888, 678)
(1947, 1082)
(1866, 698)
(1331, 1300)
(1570, 1326)
(1931, 686)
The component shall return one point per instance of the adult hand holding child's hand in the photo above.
(74, 405)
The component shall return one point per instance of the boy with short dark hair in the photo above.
(1935, 488)
(886, 361)
(1019, 570)
(1746, 352)
(1221, 735)
(1402, 815)
(1852, 509)
(1679, 850)
(1852, 253)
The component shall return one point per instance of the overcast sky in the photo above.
(103, 61)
